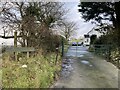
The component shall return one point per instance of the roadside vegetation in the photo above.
(0, 72)
(36, 72)
(40, 25)
(112, 49)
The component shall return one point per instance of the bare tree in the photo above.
(68, 29)
(33, 21)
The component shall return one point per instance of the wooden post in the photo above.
(15, 44)
(27, 54)
(15, 39)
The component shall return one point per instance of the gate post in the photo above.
(62, 47)
(15, 44)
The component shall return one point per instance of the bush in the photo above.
(115, 55)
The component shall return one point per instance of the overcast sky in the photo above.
(73, 15)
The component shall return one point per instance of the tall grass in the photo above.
(38, 73)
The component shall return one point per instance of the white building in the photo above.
(86, 40)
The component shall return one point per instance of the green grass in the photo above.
(65, 48)
(0, 78)
(39, 73)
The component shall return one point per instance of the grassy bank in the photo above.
(111, 55)
(66, 47)
(35, 72)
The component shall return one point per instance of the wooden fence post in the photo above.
(15, 44)
(28, 54)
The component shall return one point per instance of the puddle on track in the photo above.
(86, 63)
(80, 55)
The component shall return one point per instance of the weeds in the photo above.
(38, 73)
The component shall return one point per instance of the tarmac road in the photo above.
(82, 69)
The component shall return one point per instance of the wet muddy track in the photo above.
(81, 69)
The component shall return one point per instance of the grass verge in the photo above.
(35, 72)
